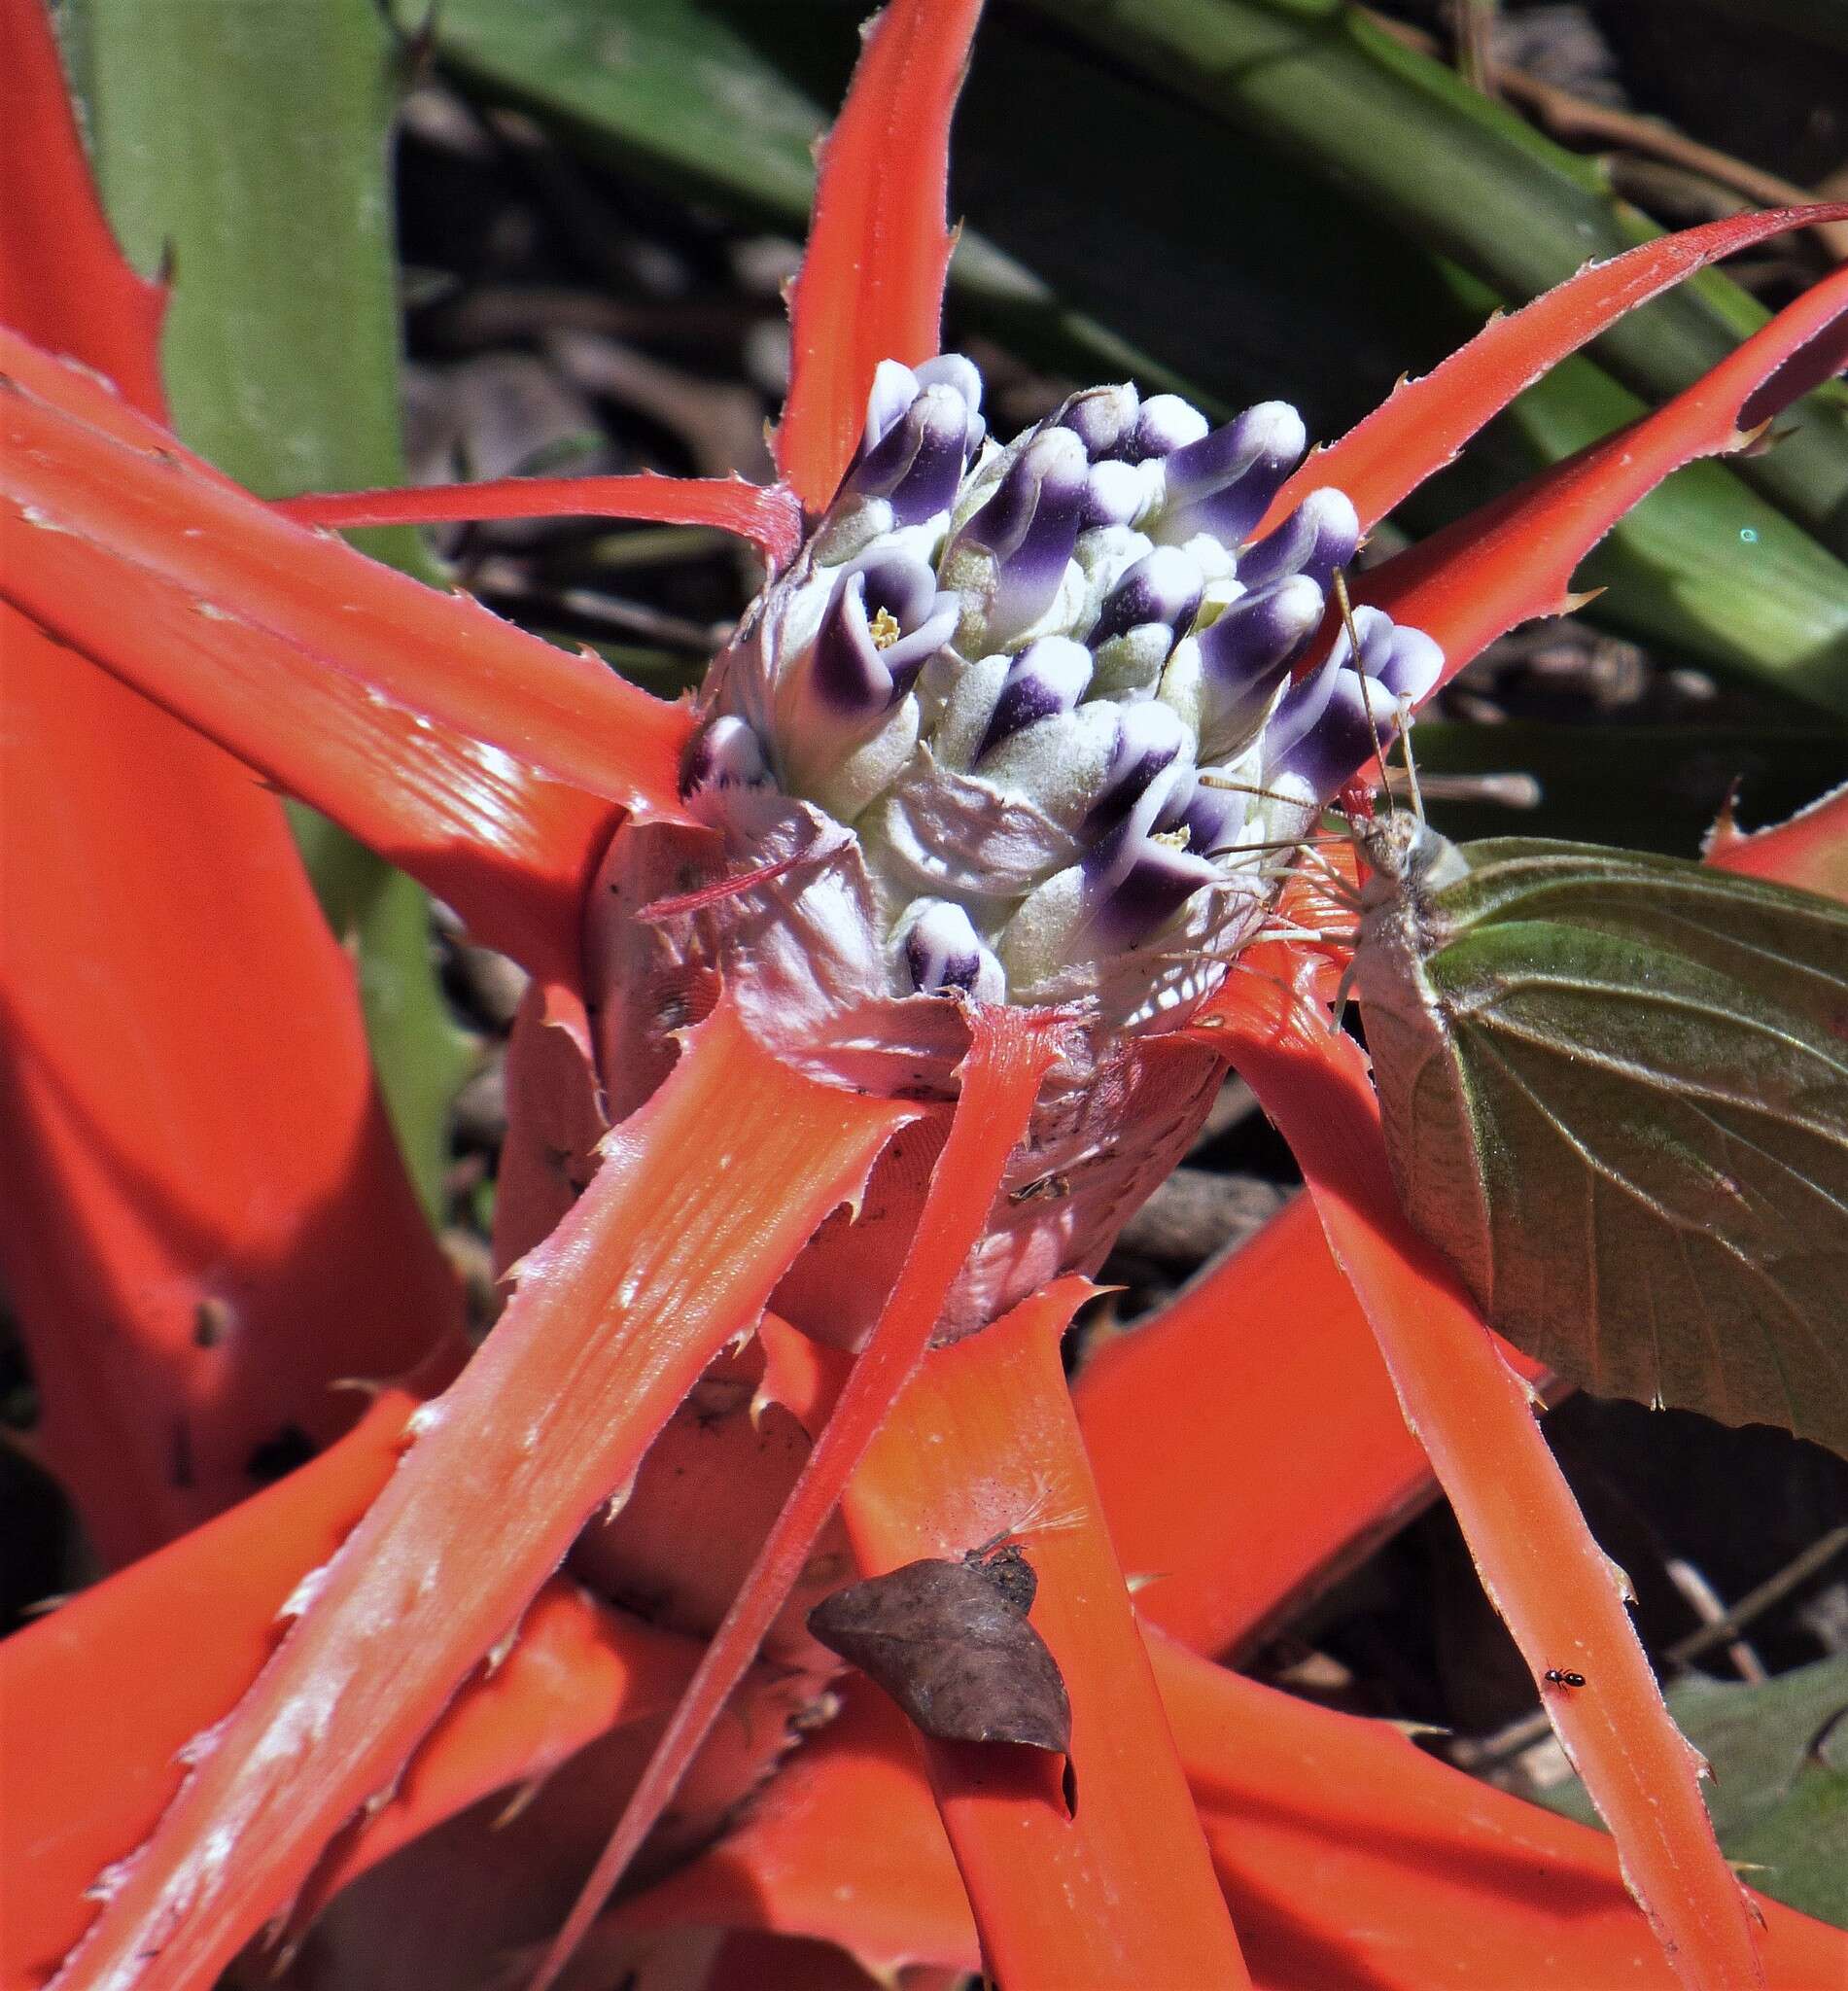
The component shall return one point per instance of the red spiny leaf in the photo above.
(1351, 1858)
(1810, 850)
(206, 1218)
(1250, 1466)
(1328, 1830)
(98, 1698)
(1423, 423)
(871, 282)
(983, 1443)
(771, 518)
(1513, 558)
(481, 760)
(670, 1251)
(1247, 1439)
(848, 1848)
(62, 279)
(1010, 1052)
(577, 1671)
(1558, 1594)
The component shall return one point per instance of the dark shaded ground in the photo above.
(562, 318)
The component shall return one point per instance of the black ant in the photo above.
(1555, 1676)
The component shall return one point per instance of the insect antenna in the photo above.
(1208, 779)
(1338, 885)
(1503, 790)
(1403, 709)
(1340, 580)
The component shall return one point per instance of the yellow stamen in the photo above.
(884, 629)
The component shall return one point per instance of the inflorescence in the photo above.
(1047, 686)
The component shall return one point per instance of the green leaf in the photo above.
(1615, 1089)
(1779, 1752)
(246, 144)
(1465, 177)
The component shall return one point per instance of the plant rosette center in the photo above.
(1021, 724)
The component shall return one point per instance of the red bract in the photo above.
(674, 1161)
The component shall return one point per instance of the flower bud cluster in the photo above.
(1046, 687)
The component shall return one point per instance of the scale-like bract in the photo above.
(1615, 1089)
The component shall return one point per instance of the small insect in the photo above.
(1558, 1676)
(1615, 1094)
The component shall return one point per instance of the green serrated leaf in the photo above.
(1616, 1093)
(245, 146)
(1780, 1792)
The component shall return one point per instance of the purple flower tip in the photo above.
(884, 622)
(1224, 483)
(1212, 817)
(1163, 586)
(1326, 726)
(1322, 534)
(1245, 652)
(923, 428)
(1114, 495)
(1134, 884)
(1414, 668)
(727, 754)
(1151, 739)
(1102, 418)
(1047, 679)
(1031, 525)
(943, 951)
(1165, 424)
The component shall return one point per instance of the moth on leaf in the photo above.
(1614, 1092)
(950, 1642)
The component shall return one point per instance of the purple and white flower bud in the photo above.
(919, 463)
(1115, 494)
(1319, 535)
(1333, 721)
(1102, 418)
(951, 370)
(1164, 586)
(726, 755)
(885, 621)
(1012, 554)
(843, 725)
(1212, 817)
(943, 953)
(1141, 618)
(1224, 483)
(986, 688)
(1341, 739)
(1046, 679)
(1415, 667)
(1243, 657)
(1135, 884)
(894, 388)
(1151, 739)
(1167, 423)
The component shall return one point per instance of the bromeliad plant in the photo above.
(872, 990)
